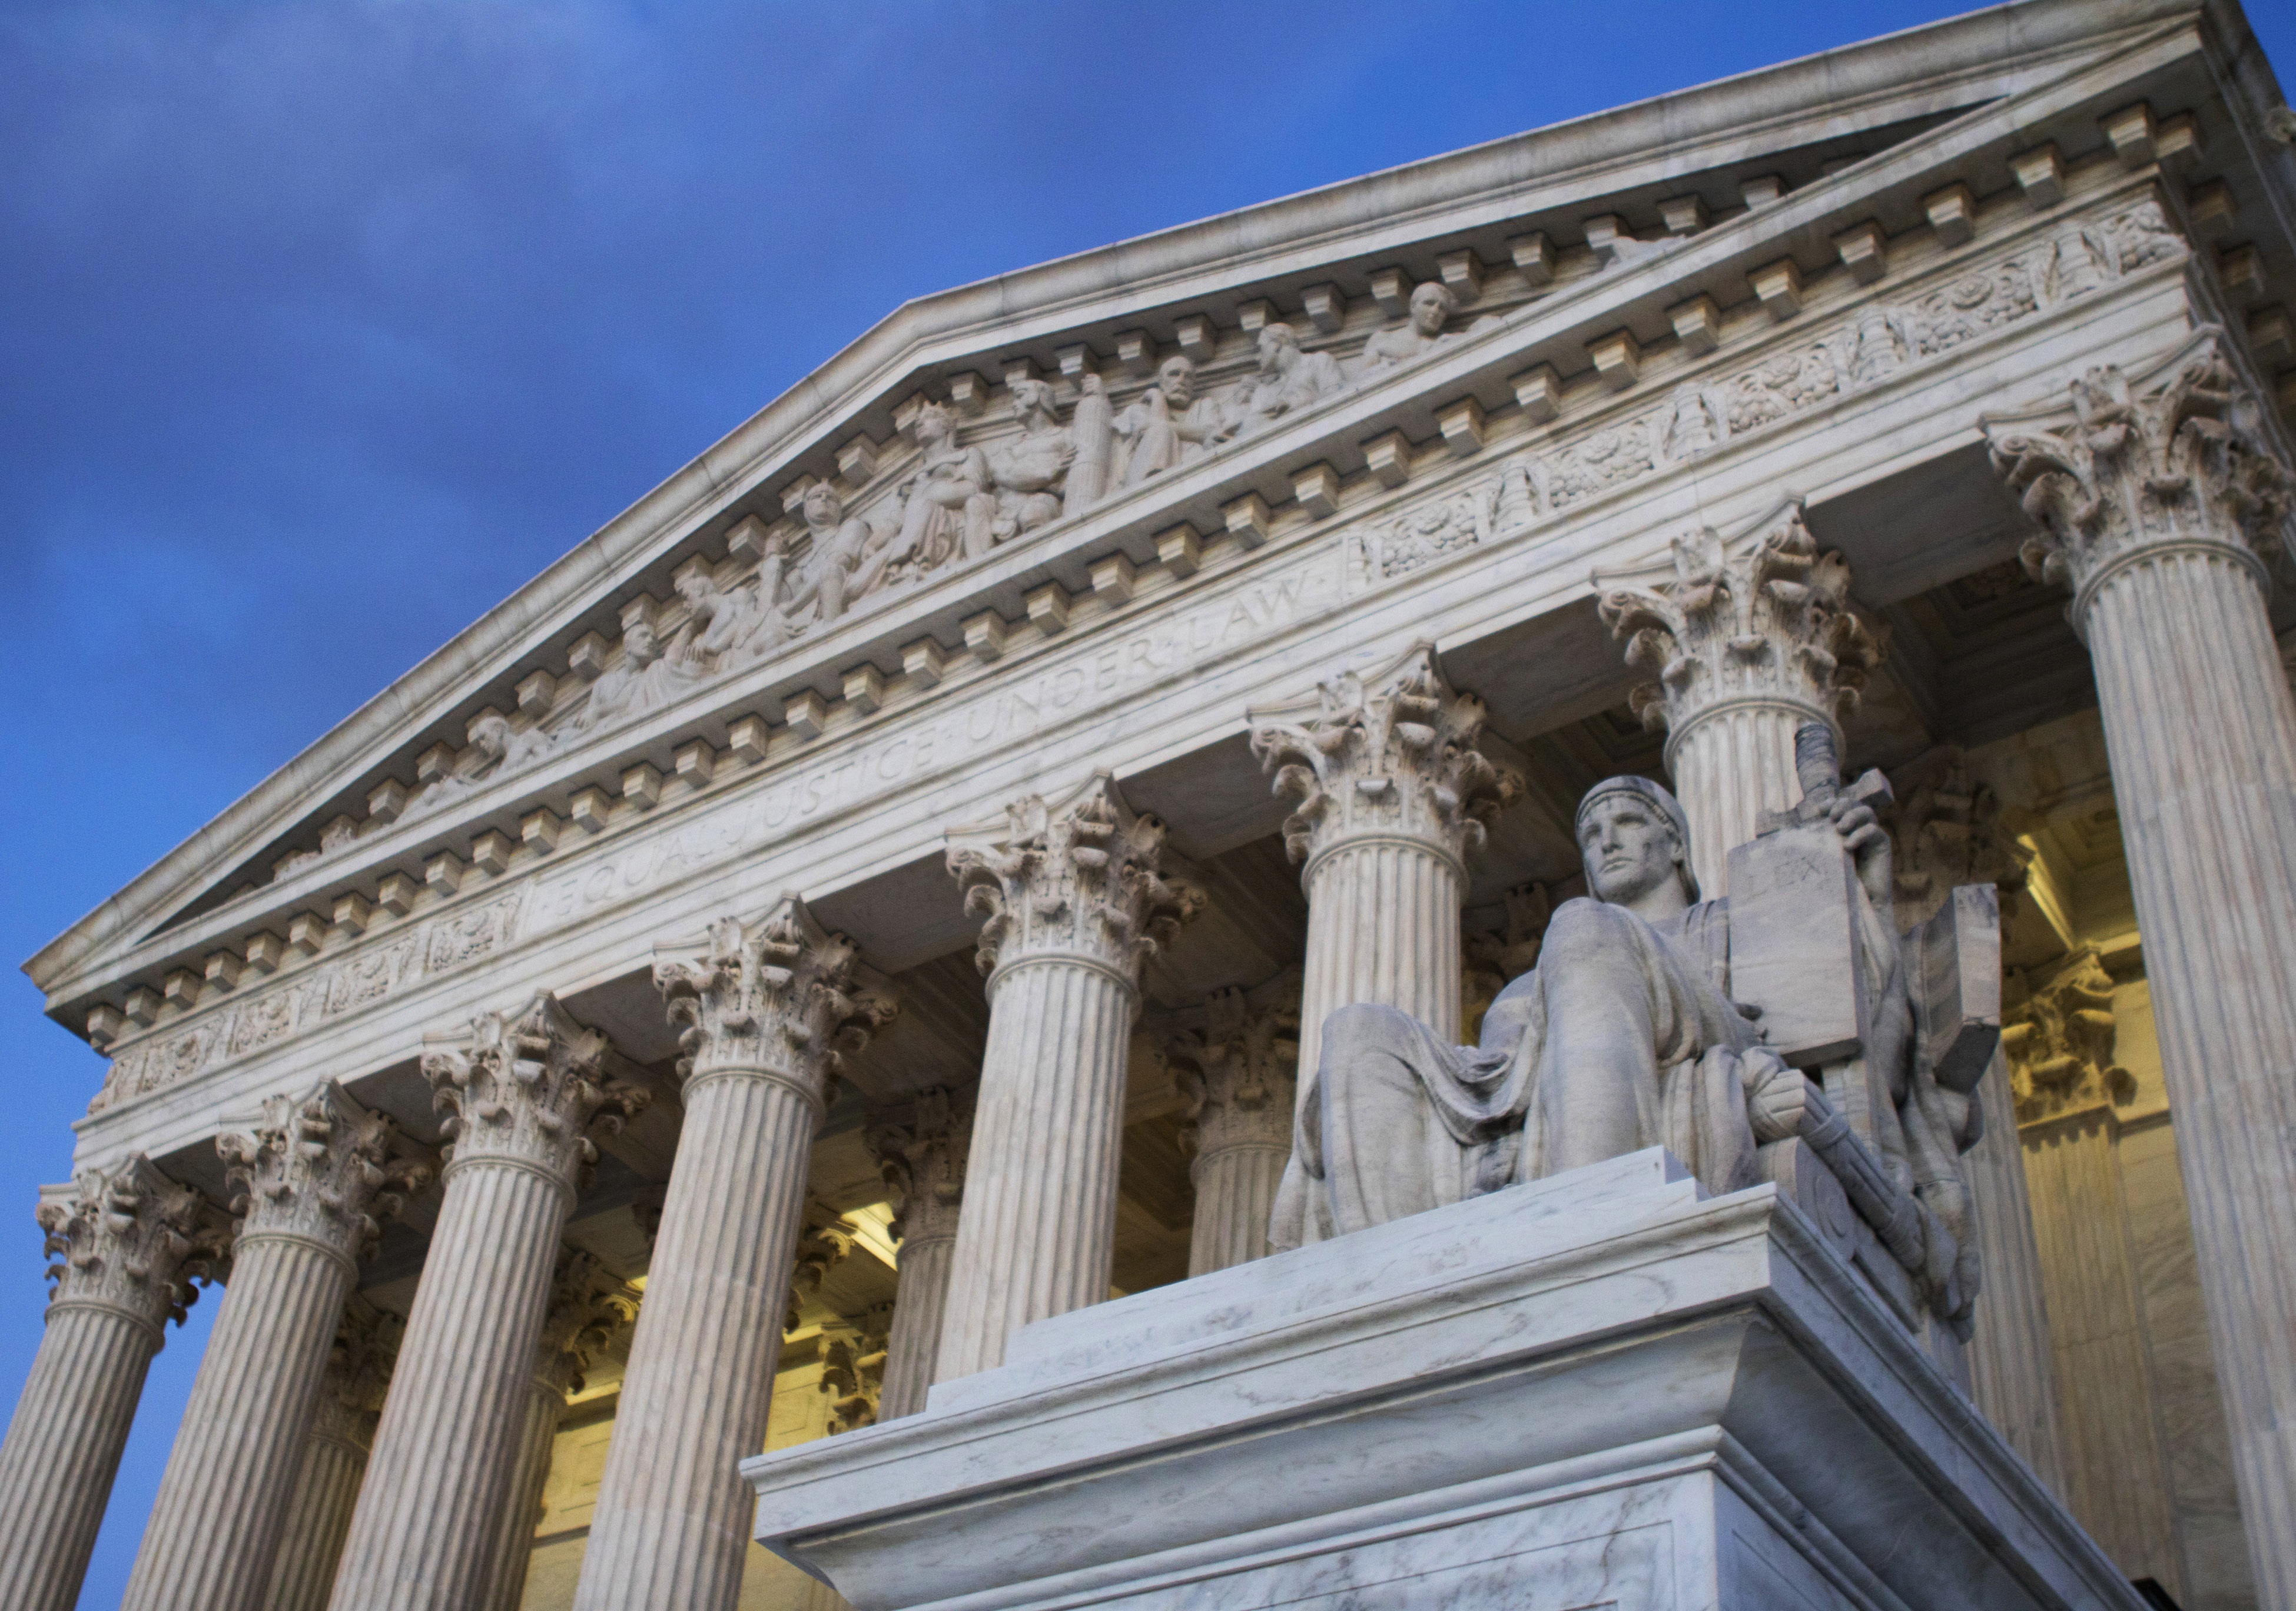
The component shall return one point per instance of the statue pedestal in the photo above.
(1596, 1390)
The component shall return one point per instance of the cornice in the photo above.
(1993, 53)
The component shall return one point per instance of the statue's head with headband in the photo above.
(1655, 797)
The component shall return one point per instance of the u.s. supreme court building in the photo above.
(1032, 983)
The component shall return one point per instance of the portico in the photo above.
(987, 884)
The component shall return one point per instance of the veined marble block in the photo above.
(1599, 1389)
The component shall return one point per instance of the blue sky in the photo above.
(328, 324)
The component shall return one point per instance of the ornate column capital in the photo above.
(1239, 1070)
(1384, 753)
(1078, 879)
(921, 1148)
(318, 1171)
(1757, 618)
(131, 1240)
(525, 1089)
(588, 1304)
(780, 998)
(359, 1374)
(2171, 457)
(1946, 830)
(824, 1242)
(853, 1370)
(2060, 1044)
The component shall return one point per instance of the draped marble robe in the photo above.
(1396, 1122)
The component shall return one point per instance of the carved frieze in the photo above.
(254, 1017)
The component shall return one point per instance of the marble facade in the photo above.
(887, 893)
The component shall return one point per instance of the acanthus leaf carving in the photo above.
(589, 1306)
(2137, 462)
(2060, 1043)
(528, 1087)
(318, 1168)
(1239, 1069)
(1080, 873)
(782, 997)
(132, 1240)
(1388, 751)
(921, 1146)
(1763, 614)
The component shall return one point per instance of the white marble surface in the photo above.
(1480, 1394)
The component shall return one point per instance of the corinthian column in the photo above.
(1076, 899)
(525, 1089)
(132, 1241)
(920, 1147)
(2159, 499)
(1238, 1074)
(313, 1182)
(588, 1304)
(2158, 496)
(764, 1009)
(1393, 797)
(1751, 636)
(334, 1459)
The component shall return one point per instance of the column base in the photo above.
(1595, 1389)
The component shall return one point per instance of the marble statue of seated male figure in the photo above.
(1623, 1037)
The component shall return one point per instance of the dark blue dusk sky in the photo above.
(326, 326)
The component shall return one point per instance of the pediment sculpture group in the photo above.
(958, 502)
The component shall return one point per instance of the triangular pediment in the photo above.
(969, 471)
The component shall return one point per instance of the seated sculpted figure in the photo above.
(1289, 378)
(1167, 424)
(1623, 1037)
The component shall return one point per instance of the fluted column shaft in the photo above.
(920, 1309)
(306, 1179)
(319, 1518)
(64, 1449)
(222, 1506)
(672, 1523)
(2114, 1459)
(427, 1518)
(546, 1405)
(1038, 1229)
(1731, 764)
(764, 1008)
(2154, 500)
(526, 1090)
(129, 1240)
(2201, 738)
(2012, 1370)
(1383, 928)
(1235, 1192)
(1076, 899)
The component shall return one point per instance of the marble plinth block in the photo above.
(1594, 1390)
